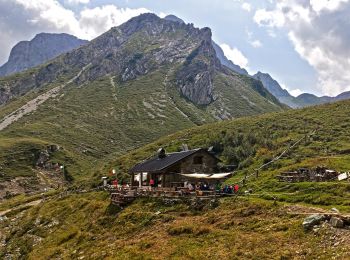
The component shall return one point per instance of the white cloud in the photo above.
(253, 42)
(296, 92)
(256, 43)
(247, 7)
(88, 24)
(235, 55)
(269, 18)
(271, 33)
(95, 21)
(22, 19)
(323, 5)
(319, 32)
(76, 2)
(162, 15)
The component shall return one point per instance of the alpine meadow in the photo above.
(152, 138)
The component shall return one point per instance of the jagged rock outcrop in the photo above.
(40, 49)
(195, 79)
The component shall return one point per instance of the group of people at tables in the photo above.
(218, 187)
(194, 187)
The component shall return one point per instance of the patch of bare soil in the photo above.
(300, 209)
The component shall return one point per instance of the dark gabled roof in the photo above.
(156, 164)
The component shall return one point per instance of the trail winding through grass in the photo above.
(33, 104)
(29, 204)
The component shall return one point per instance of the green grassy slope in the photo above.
(126, 88)
(106, 118)
(96, 119)
(86, 226)
(250, 142)
(235, 99)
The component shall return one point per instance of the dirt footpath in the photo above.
(29, 204)
(33, 104)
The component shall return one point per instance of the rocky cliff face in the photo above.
(195, 79)
(43, 47)
(171, 43)
(138, 47)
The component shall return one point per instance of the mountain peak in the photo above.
(173, 18)
(45, 35)
(275, 88)
(43, 47)
(143, 18)
(262, 74)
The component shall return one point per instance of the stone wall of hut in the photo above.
(192, 163)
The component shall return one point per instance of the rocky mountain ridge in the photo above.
(302, 100)
(275, 89)
(43, 47)
(122, 52)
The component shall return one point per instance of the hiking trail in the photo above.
(33, 104)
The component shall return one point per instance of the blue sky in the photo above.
(300, 43)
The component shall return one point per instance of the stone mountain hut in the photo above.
(171, 169)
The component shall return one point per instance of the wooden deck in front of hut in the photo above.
(123, 196)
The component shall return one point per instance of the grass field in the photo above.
(264, 225)
(87, 226)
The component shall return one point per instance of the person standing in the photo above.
(236, 188)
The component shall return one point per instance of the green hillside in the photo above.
(86, 225)
(252, 141)
(132, 85)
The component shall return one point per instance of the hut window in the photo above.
(198, 160)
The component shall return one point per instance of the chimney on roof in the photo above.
(184, 147)
(161, 153)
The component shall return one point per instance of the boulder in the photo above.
(312, 221)
(335, 210)
(336, 222)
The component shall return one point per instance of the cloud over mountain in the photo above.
(319, 31)
(235, 55)
(22, 19)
